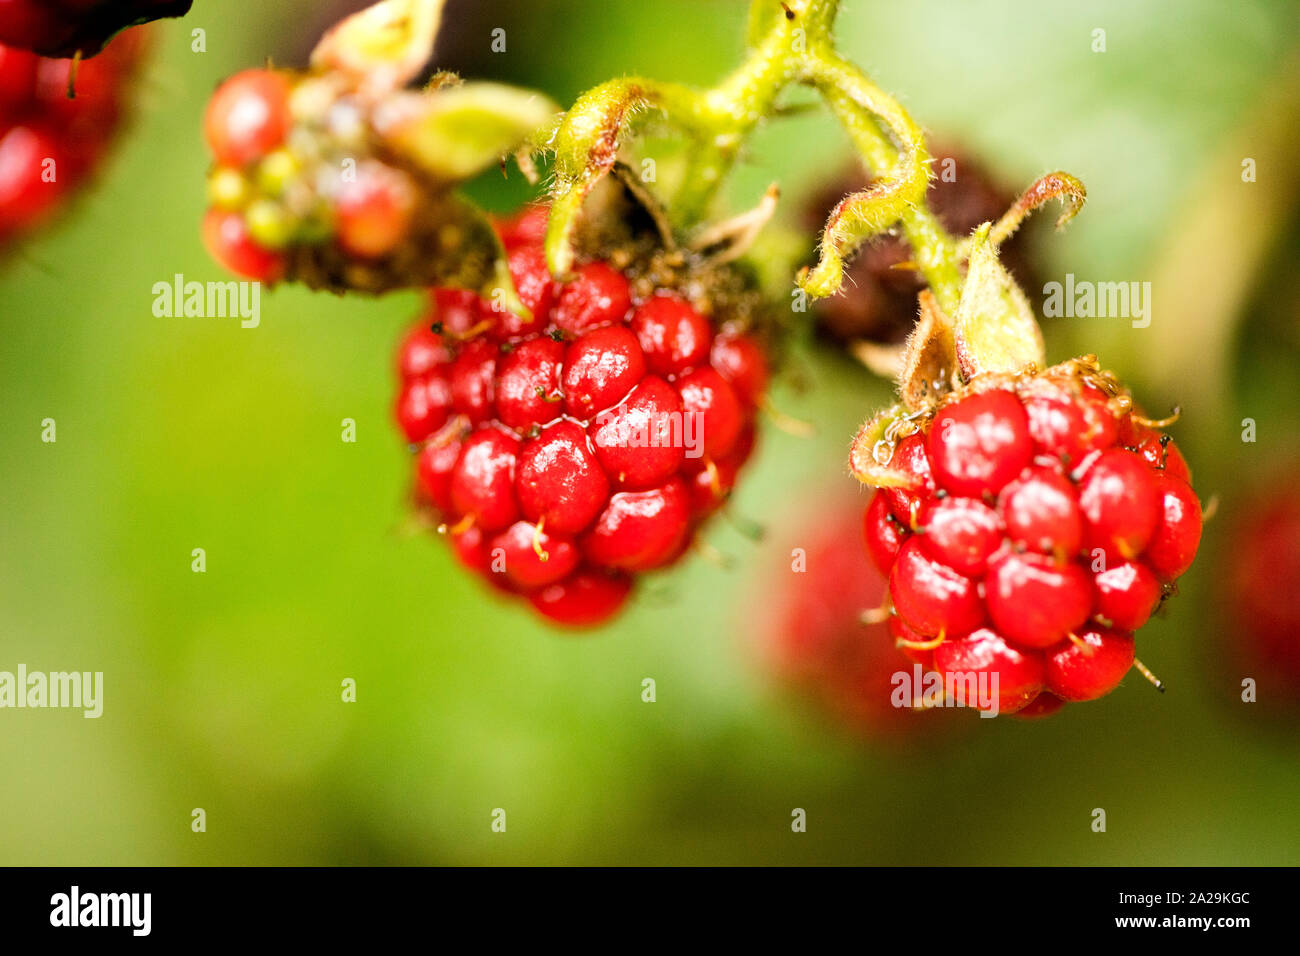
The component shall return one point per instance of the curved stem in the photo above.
(862, 108)
(790, 42)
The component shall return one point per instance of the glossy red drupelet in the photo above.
(569, 454)
(49, 144)
(1041, 525)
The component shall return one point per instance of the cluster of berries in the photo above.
(67, 28)
(1040, 524)
(567, 453)
(50, 140)
(295, 168)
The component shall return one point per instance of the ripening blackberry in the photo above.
(1039, 523)
(567, 454)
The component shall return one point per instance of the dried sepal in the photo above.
(929, 357)
(995, 329)
(730, 239)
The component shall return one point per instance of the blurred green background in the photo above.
(223, 688)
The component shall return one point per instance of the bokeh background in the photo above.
(223, 688)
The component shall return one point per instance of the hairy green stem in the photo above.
(790, 42)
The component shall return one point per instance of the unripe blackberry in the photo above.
(583, 447)
(1028, 530)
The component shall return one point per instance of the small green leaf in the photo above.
(995, 328)
(458, 131)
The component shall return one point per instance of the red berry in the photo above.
(528, 384)
(1067, 425)
(600, 369)
(1178, 532)
(597, 295)
(932, 597)
(811, 630)
(421, 352)
(673, 336)
(1091, 524)
(740, 360)
(373, 211)
(33, 25)
(97, 85)
(471, 549)
(482, 484)
(526, 228)
(1261, 574)
(1091, 666)
(227, 239)
(1159, 451)
(712, 484)
(434, 468)
(882, 532)
(961, 533)
(423, 405)
(247, 117)
(718, 417)
(586, 598)
(1035, 602)
(30, 178)
(1120, 503)
(560, 481)
(910, 458)
(1041, 512)
(536, 291)
(640, 530)
(635, 442)
(17, 79)
(1125, 595)
(455, 311)
(473, 380)
(978, 444)
(1020, 676)
(533, 559)
(558, 431)
(915, 647)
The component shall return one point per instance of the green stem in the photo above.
(861, 108)
(790, 43)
